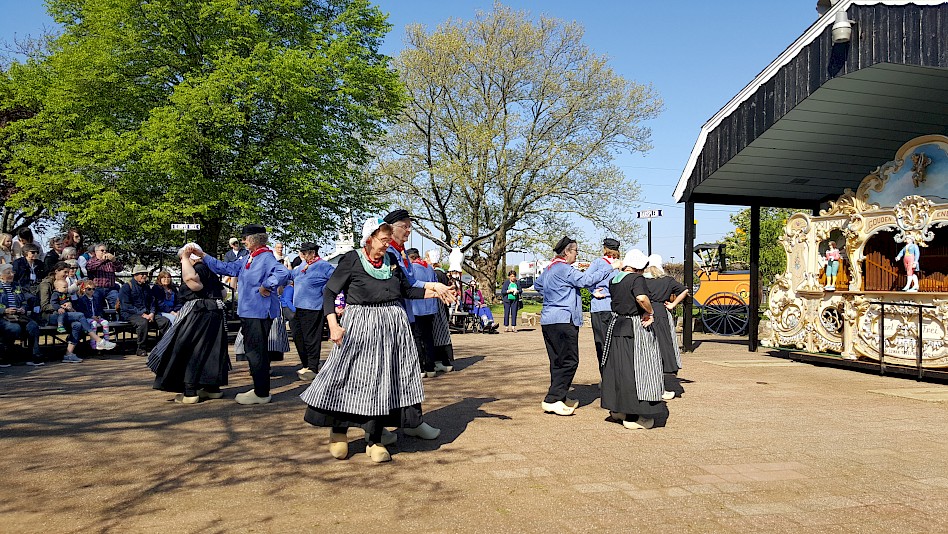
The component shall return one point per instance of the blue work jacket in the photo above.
(265, 271)
(603, 304)
(309, 282)
(424, 306)
(560, 284)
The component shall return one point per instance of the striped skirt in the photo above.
(632, 379)
(442, 334)
(374, 372)
(277, 340)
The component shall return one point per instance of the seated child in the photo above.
(91, 303)
(60, 299)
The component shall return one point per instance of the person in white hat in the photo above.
(665, 294)
(560, 319)
(371, 379)
(632, 369)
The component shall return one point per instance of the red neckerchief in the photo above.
(608, 259)
(421, 262)
(401, 250)
(557, 260)
(308, 263)
(377, 264)
(254, 254)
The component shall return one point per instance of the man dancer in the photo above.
(601, 306)
(309, 280)
(401, 228)
(258, 276)
(560, 319)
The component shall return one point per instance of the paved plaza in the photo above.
(757, 444)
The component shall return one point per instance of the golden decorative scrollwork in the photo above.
(913, 215)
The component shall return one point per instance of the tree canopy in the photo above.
(773, 259)
(217, 112)
(509, 135)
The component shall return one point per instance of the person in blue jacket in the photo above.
(259, 275)
(560, 319)
(424, 311)
(600, 308)
(309, 281)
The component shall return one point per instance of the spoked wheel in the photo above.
(725, 314)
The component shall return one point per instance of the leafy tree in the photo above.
(217, 112)
(510, 133)
(773, 259)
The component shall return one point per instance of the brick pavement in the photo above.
(757, 444)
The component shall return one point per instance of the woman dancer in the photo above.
(632, 366)
(661, 289)
(911, 254)
(371, 378)
(191, 359)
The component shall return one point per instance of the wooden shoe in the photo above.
(442, 368)
(306, 374)
(423, 431)
(378, 453)
(572, 403)
(558, 407)
(617, 416)
(643, 423)
(181, 399)
(338, 446)
(249, 397)
(668, 395)
(210, 394)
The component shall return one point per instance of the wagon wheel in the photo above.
(725, 314)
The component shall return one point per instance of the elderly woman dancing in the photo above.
(631, 366)
(372, 378)
(191, 358)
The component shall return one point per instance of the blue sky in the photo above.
(696, 53)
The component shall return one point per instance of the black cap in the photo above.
(252, 229)
(412, 252)
(611, 243)
(562, 244)
(307, 246)
(397, 215)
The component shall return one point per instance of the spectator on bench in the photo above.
(102, 268)
(6, 249)
(165, 293)
(74, 322)
(137, 306)
(91, 304)
(55, 249)
(15, 322)
(28, 271)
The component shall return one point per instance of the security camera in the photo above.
(842, 28)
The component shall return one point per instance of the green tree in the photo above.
(510, 134)
(773, 259)
(217, 112)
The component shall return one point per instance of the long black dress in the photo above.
(194, 351)
(660, 291)
(632, 372)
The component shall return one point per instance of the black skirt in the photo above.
(407, 417)
(196, 349)
(619, 393)
(663, 334)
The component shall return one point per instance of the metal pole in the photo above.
(687, 326)
(918, 346)
(649, 236)
(882, 338)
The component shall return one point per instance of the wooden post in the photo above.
(754, 298)
(688, 316)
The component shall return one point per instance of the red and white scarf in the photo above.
(308, 263)
(256, 253)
